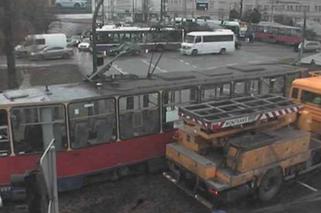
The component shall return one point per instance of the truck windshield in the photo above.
(189, 39)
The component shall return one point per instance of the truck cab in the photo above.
(307, 91)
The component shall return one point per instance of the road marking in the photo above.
(118, 69)
(255, 62)
(230, 65)
(307, 186)
(152, 67)
(187, 63)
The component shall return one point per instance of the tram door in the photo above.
(4, 134)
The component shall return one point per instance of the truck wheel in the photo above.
(270, 184)
(194, 53)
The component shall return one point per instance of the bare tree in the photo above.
(17, 19)
(7, 29)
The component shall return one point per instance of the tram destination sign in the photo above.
(201, 4)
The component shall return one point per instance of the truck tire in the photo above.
(270, 184)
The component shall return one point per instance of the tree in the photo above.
(283, 19)
(17, 19)
(252, 16)
(7, 29)
(234, 14)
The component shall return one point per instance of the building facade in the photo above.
(219, 9)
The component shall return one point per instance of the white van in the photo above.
(38, 41)
(220, 41)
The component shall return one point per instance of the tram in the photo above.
(117, 123)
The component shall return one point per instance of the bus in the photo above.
(114, 127)
(164, 38)
(277, 33)
(220, 41)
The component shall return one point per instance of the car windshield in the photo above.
(189, 39)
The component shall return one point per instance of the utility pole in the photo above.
(272, 11)
(161, 10)
(100, 3)
(185, 8)
(241, 9)
(303, 34)
(133, 10)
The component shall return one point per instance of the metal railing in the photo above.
(48, 169)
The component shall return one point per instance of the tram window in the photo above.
(274, 85)
(289, 79)
(311, 97)
(34, 127)
(92, 122)
(4, 134)
(216, 91)
(171, 101)
(142, 119)
(253, 87)
(239, 88)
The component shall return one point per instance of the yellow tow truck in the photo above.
(229, 148)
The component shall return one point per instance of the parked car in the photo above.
(84, 45)
(52, 53)
(310, 46)
(78, 4)
(73, 41)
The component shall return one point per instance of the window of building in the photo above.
(92, 122)
(34, 127)
(142, 118)
(4, 134)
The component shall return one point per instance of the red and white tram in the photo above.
(277, 33)
(100, 128)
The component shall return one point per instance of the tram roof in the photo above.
(108, 28)
(75, 91)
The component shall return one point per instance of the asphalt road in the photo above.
(157, 193)
(173, 61)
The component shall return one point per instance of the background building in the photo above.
(268, 8)
(120, 9)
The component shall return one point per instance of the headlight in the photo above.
(32, 53)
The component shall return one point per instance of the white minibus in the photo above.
(220, 41)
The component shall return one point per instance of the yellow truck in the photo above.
(229, 148)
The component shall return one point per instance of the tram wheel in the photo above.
(270, 184)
